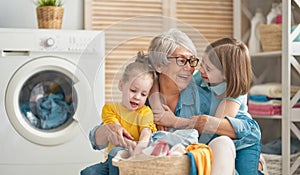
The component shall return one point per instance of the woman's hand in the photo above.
(199, 122)
(161, 128)
(166, 118)
(118, 136)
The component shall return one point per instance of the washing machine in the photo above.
(51, 92)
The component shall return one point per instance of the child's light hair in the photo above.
(233, 59)
(139, 67)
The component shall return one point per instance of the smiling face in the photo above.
(180, 75)
(210, 73)
(135, 91)
(228, 59)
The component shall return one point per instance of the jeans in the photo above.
(246, 162)
(103, 168)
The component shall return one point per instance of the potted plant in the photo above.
(49, 14)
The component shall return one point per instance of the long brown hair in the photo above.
(233, 59)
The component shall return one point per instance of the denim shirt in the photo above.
(193, 100)
(246, 129)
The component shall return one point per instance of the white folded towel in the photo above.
(272, 90)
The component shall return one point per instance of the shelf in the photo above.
(294, 115)
(288, 64)
(261, 55)
(267, 117)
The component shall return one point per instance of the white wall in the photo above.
(21, 14)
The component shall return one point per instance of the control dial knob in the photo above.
(49, 42)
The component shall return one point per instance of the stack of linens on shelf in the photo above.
(265, 99)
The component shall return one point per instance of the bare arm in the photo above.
(101, 135)
(143, 141)
(213, 125)
(203, 123)
(227, 108)
(156, 104)
(168, 119)
(154, 99)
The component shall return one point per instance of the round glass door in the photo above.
(47, 99)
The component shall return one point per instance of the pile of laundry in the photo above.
(173, 146)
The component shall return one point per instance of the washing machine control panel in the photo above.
(31, 41)
(68, 42)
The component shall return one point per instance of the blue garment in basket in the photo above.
(193, 167)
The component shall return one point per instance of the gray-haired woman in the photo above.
(174, 57)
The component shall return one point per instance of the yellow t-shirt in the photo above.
(133, 121)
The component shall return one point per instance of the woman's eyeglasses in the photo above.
(181, 60)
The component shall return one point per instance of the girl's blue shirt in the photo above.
(246, 129)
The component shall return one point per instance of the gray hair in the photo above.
(166, 43)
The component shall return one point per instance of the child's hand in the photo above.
(137, 151)
(143, 141)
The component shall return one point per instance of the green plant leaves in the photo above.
(57, 3)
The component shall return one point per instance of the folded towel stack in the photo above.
(265, 99)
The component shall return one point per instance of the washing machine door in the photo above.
(45, 99)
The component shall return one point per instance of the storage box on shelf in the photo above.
(270, 35)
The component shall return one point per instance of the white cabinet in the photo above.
(288, 61)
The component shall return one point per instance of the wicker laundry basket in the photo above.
(50, 17)
(149, 165)
(270, 36)
(273, 163)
